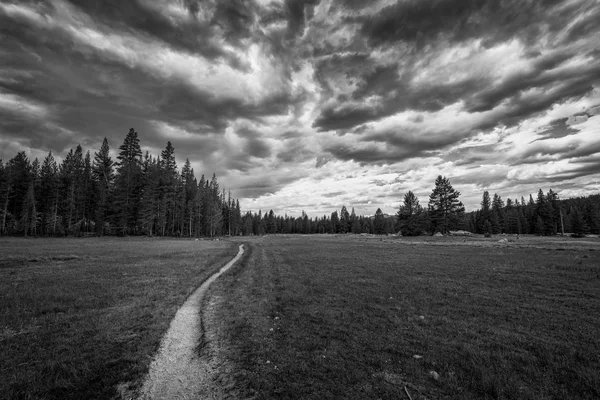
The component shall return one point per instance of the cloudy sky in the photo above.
(311, 105)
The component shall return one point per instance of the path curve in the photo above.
(177, 371)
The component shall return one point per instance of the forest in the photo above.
(139, 194)
(134, 195)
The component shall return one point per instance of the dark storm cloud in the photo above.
(93, 96)
(587, 169)
(295, 152)
(544, 151)
(470, 154)
(520, 107)
(537, 77)
(399, 98)
(447, 21)
(378, 155)
(297, 12)
(556, 129)
(345, 117)
(255, 186)
(257, 148)
(424, 21)
(232, 17)
(480, 178)
(209, 75)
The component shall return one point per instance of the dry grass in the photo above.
(82, 318)
(344, 317)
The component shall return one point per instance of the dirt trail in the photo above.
(178, 372)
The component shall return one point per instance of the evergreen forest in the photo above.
(139, 194)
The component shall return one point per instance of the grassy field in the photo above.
(82, 318)
(358, 317)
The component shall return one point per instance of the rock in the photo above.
(438, 234)
(434, 375)
(417, 357)
(503, 240)
(421, 317)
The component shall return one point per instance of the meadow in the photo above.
(355, 317)
(307, 317)
(82, 318)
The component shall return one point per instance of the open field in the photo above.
(357, 317)
(82, 318)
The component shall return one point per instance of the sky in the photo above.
(310, 105)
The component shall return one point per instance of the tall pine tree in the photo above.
(128, 183)
(445, 209)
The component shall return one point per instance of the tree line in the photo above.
(144, 195)
(546, 215)
(137, 194)
(445, 212)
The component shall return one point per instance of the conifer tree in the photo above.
(498, 226)
(445, 209)
(344, 220)
(410, 216)
(356, 228)
(271, 223)
(379, 222)
(48, 204)
(578, 224)
(128, 183)
(18, 170)
(103, 175)
(189, 192)
(485, 213)
(168, 189)
(4, 197)
(335, 222)
(149, 215)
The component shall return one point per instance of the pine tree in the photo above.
(445, 209)
(4, 197)
(499, 225)
(410, 216)
(335, 222)
(591, 216)
(48, 204)
(237, 219)
(485, 213)
(356, 228)
(18, 170)
(128, 183)
(579, 225)
(379, 222)
(168, 190)
(29, 215)
(551, 213)
(213, 210)
(344, 225)
(87, 196)
(103, 175)
(271, 223)
(189, 192)
(149, 215)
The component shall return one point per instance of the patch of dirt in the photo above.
(178, 371)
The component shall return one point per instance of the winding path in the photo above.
(178, 372)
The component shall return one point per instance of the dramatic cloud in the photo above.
(314, 104)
